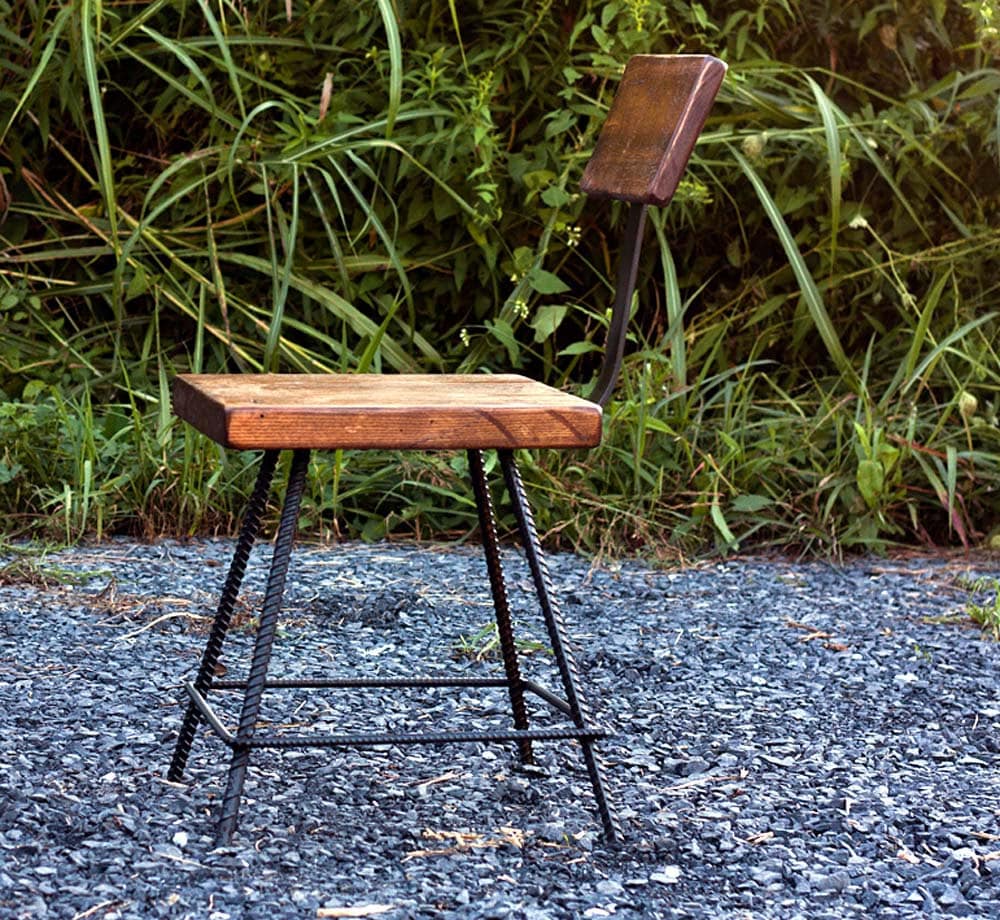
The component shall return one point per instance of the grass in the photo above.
(27, 565)
(984, 610)
(484, 645)
(193, 186)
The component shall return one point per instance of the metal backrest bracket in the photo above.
(628, 267)
(654, 121)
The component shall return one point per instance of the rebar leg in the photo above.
(557, 636)
(224, 612)
(262, 647)
(487, 527)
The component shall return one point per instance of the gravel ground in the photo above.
(794, 740)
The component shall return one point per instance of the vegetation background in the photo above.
(391, 185)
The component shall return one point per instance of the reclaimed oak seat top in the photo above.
(395, 411)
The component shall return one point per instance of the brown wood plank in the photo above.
(655, 118)
(397, 411)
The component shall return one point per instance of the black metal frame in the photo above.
(246, 739)
(628, 268)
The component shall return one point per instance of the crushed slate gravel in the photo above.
(793, 740)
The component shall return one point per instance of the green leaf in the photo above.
(92, 19)
(556, 197)
(579, 348)
(944, 345)
(138, 284)
(888, 456)
(601, 37)
(524, 257)
(749, 503)
(871, 481)
(719, 520)
(391, 25)
(675, 305)
(8, 473)
(392, 352)
(810, 293)
(545, 282)
(829, 113)
(547, 319)
(33, 388)
(734, 252)
(502, 331)
(54, 33)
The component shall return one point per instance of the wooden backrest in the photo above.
(656, 116)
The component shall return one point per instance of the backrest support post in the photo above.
(628, 267)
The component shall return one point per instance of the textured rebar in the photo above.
(488, 531)
(224, 612)
(262, 647)
(557, 636)
(375, 683)
(372, 739)
(354, 739)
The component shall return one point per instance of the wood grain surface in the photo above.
(655, 118)
(399, 411)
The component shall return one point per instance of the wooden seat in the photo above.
(651, 129)
(369, 411)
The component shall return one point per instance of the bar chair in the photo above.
(651, 128)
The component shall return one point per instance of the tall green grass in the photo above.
(392, 187)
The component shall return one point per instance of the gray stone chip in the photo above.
(793, 740)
